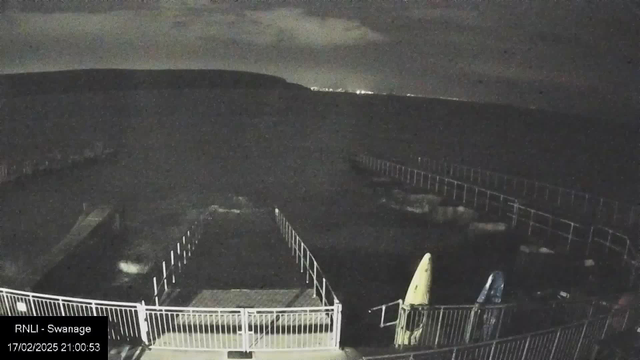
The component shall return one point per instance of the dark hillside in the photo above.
(100, 80)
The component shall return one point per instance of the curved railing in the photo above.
(573, 341)
(459, 324)
(607, 212)
(179, 255)
(306, 261)
(539, 225)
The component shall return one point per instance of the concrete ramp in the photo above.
(85, 231)
(256, 298)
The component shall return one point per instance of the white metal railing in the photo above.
(307, 262)
(469, 195)
(610, 212)
(449, 325)
(536, 223)
(11, 169)
(578, 237)
(177, 260)
(126, 320)
(242, 329)
(498, 204)
(188, 328)
(574, 341)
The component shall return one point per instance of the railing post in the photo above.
(515, 214)
(173, 272)
(626, 251)
(435, 343)
(337, 323)
(526, 347)
(315, 278)
(324, 286)
(600, 206)
(499, 324)
(302, 258)
(606, 326)
(555, 344)
(421, 178)
(530, 221)
(626, 317)
(142, 322)
(179, 262)
(164, 274)
(445, 186)
(464, 195)
(244, 323)
(33, 308)
(308, 265)
(493, 346)
(584, 329)
(589, 241)
(586, 203)
(184, 256)
(468, 332)
(570, 236)
(559, 195)
(455, 189)
(155, 290)
(6, 303)
(475, 198)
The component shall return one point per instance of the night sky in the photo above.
(572, 56)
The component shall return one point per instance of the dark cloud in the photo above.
(567, 50)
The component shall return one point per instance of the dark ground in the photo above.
(289, 149)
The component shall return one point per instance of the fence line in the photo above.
(610, 212)
(574, 341)
(12, 170)
(441, 326)
(265, 329)
(505, 206)
(548, 228)
(125, 319)
(186, 328)
(177, 260)
(307, 261)
(470, 195)
(450, 326)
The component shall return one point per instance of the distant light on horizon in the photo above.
(357, 91)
